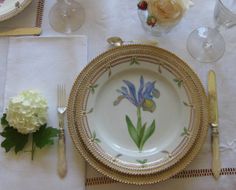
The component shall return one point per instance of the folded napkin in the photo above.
(3, 62)
(41, 63)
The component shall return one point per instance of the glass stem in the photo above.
(207, 45)
(65, 6)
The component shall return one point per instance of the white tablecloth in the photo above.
(119, 17)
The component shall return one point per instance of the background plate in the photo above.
(9, 8)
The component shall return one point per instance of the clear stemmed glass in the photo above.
(66, 16)
(207, 44)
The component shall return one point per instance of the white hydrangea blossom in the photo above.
(27, 111)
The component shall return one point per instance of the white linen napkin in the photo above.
(41, 63)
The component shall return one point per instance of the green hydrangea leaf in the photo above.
(13, 139)
(44, 136)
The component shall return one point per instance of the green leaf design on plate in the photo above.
(185, 132)
(187, 104)
(108, 68)
(118, 155)
(134, 61)
(132, 130)
(139, 124)
(17, 4)
(179, 82)
(141, 135)
(109, 73)
(159, 69)
(94, 138)
(142, 161)
(167, 153)
(93, 87)
(148, 132)
(88, 112)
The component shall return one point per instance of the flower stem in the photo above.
(32, 149)
(139, 122)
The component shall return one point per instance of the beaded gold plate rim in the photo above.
(79, 144)
(15, 11)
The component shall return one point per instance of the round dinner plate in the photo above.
(9, 8)
(130, 126)
(136, 109)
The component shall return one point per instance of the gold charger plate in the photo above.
(110, 169)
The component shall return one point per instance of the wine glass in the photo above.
(207, 44)
(66, 16)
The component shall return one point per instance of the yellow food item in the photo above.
(165, 11)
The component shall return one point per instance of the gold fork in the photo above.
(61, 109)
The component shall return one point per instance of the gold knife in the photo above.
(214, 123)
(21, 31)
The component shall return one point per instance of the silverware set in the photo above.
(213, 122)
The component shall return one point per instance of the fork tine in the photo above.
(58, 95)
(61, 95)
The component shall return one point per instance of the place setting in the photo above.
(41, 67)
(136, 115)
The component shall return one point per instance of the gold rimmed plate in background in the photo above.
(11, 8)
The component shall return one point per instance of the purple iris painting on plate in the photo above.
(143, 100)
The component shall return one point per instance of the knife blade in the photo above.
(27, 31)
(214, 123)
